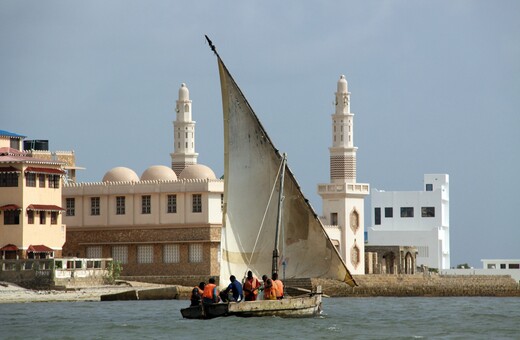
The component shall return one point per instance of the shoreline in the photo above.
(12, 293)
(369, 286)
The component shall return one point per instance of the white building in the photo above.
(415, 218)
(343, 198)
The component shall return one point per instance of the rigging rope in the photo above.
(265, 213)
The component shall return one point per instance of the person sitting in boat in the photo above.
(235, 288)
(279, 286)
(196, 294)
(269, 288)
(211, 293)
(251, 286)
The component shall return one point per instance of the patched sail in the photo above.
(251, 167)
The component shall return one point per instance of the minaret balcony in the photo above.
(361, 189)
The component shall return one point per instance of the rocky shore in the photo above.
(368, 286)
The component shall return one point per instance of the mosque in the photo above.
(164, 225)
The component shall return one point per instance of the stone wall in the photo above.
(416, 285)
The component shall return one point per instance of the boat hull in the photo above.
(297, 307)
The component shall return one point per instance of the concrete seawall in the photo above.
(415, 285)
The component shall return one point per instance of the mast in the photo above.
(279, 217)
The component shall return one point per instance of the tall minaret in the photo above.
(343, 198)
(342, 152)
(183, 133)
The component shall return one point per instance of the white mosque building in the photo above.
(343, 198)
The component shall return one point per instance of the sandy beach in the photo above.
(12, 293)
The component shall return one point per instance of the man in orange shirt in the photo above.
(251, 286)
(279, 286)
(211, 292)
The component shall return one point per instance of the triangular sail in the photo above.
(251, 167)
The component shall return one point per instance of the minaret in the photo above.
(342, 152)
(343, 198)
(183, 133)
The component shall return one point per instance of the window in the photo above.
(8, 179)
(41, 180)
(42, 217)
(377, 216)
(145, 254)
(94, 252)
(502, 266)
(120, 254)
(54, 217)
(429, 187)
(30, 216)
(54, 181)
(334, 218)
(406, 211)
(120, 205)
(197, 203)
(221, 202)
(11, 217)
(195, 253)
(171, 253)
(146, 204)
(514, 266)
(428, 211)
(389, 212)
(70, 206)
(172, 204)
(94, 206)
(30, 179)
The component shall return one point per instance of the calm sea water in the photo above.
(345, 318)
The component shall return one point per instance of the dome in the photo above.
(184, 93)
(121, 174)
(342, 85)
(159, 172)
(197, 171)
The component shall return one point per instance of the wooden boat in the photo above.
(267, 221)
(294, 307)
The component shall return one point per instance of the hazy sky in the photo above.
(435, 89)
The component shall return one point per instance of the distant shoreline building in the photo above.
(343, 198)
(30, 202)
(164, 225)
(415, 218)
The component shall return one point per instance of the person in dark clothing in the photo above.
(196, 294)
(235, 288)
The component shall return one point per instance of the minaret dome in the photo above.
(184, 93)
(342, 85)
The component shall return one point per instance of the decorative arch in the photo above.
(409, 264)
(355, 255)
(354, 220)
(389, 263)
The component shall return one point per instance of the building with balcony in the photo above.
(30, 202)
(343, 198)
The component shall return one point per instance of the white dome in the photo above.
(158, 172)
(197, 171)
(184, 93)
(121, 174)
(342, 85)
